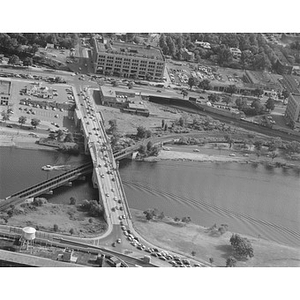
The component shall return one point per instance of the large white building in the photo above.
(292, 112)
(127, 60)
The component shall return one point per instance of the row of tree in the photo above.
(26, 44)
(256, 53)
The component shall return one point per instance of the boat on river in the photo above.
(54, 168)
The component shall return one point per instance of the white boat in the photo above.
(57, 168)
(47, 168)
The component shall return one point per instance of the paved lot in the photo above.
(46, 116)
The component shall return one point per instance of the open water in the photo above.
(252, 200)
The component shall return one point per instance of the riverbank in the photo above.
(208, 153)
(18, 139)
(184, 239)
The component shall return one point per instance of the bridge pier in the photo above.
(48, 192)
(94, 180)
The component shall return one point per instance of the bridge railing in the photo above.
(50, 181)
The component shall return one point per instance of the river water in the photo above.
(251, 200)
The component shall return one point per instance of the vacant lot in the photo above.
(127, 123)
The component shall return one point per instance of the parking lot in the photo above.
(32, 105)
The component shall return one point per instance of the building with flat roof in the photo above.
(292, 112)
(5, 91)
(128, 60)
(129, 102)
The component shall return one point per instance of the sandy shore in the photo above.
(175, 155)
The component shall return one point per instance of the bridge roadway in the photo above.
(108, 181)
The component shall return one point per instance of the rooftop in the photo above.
(115, 92)
(130, 49)
(5, 86)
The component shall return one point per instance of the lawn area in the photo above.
(190, 237)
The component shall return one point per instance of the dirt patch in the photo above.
(66, 217)
(127, 123)
(190, 237)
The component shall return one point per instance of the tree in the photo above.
(176, 219)
(232, 89)
(192, 82)
(211, 260)
(113, 126)
(114, 140)
(273, 155)
(60, 133)
(258, 107)
(161, 216)
(285, 94)
(142, 149)
(96, 209)
(148, 133)
(27, 61)
(241, 246)
(73, 201)
(149, 145)
(258, 145)
(154, 150)
(69, 138)
(241, 103)
(274, 144)
(162, 123)
(293, 147)
(14, 60)
(223, 228)
(5, 116)
(22, 120)
(186, 220)
(149, 214)
(213, 98)
(52, 136)
(229, 140)
(204, 84)
(181, 122)
(184, 93)
(71, 231)
(166, 127)
(35, 122)
(141, 132)
(270, 104)
(193, 253)
(258, 92)
(230, 261)
(55, 227)
(227, 100)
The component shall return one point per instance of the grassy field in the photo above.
(184, 239)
